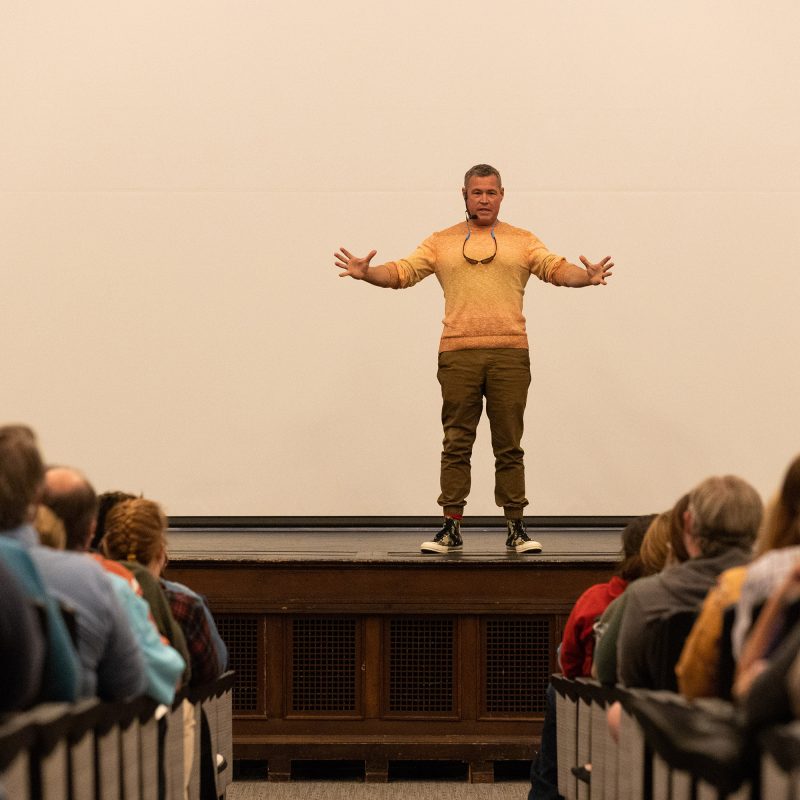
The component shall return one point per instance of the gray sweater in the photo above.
(681, 588)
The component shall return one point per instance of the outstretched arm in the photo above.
(359, 268)
(593, 274)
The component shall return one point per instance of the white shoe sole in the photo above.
(526, 547)
(433, 547)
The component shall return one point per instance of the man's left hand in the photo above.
(597, 273)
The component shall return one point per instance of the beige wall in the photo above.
(174, 178)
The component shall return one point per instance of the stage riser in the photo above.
(335, 661)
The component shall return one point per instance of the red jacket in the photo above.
(577, 646)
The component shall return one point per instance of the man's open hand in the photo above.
(597, 273)
(353, 266)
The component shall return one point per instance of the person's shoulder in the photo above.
(643, 589)
(80, 566)
(731, 580)
(179, 587)
(595, 591)
(459, 230)
(507, 229)
(773, 559)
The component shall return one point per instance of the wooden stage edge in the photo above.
(380, 540)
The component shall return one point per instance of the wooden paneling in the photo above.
(371, 660)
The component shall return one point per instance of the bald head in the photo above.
(70, 495)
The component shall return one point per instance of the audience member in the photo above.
(764, 682)
(21, 475)
(744, 587)
(110, 658)
(136, 533)
(50, 528)
(72, 498)
(655, 554)
(720, 525)
(105, 502)
(69, 491)
(778, 549)
(21, 643)
(577, 645)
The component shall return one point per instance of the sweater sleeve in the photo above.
(542, 263)
(409, 271)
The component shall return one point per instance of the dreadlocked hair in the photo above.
(134, 531)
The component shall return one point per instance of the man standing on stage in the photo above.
(483, 266)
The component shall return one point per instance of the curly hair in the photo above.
(134, 531)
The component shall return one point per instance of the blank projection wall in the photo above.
(176, 176)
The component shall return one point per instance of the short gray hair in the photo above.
(726, 512)
(482, 171)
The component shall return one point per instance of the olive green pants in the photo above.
(467, 376)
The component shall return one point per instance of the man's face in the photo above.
(483, 197)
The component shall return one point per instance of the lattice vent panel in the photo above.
(324, 665)
(421, 661)
(517, 666)
(240, 634)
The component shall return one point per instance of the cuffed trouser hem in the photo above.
(453, 511)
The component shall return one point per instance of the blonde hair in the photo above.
(50, 528)
(656, 546)
(135, 531)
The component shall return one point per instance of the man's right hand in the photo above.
(353, 266)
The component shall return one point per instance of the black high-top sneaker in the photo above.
(518, 540)
(448, 540)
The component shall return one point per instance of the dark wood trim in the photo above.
(373, 523)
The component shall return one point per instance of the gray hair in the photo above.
(726, 512)
(482, 171)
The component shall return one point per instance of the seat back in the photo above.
(664, 640)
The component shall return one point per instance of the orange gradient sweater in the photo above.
(482, 302)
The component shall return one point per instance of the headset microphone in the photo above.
(466, 212)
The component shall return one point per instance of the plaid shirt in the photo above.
(189, 614)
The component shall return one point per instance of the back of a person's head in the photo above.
(655, 550)
(725, 513)
(105, 502)
(50, 528)
(21, 474)
(631, 567)
(781, 524)
(677, 525)
(70, 495)
(135, 531)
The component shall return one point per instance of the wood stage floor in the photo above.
(386, 544)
